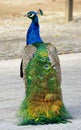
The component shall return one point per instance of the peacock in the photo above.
(41, 72)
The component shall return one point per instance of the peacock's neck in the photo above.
(33, 34)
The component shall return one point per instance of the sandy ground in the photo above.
(12, 93)
(53, 26)
(65, 36)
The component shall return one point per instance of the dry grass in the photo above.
(11, 8)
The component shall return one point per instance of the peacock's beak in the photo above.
(25, 15)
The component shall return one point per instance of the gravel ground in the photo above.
(12, 92)
(54, 29)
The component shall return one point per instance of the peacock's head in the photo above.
(32, 14)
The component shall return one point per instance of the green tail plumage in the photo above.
(43, 102)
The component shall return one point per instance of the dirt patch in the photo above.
(17, 8)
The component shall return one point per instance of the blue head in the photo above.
(32, 15)
(33, 34)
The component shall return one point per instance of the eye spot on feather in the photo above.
(43, 53)
(46, 67)
(48, 59)
(43, 59)
(41, 76)
(52, 77)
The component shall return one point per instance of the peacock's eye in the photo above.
(31, 15)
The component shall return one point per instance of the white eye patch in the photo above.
(31, 15)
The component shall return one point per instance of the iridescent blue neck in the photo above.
(33, 35)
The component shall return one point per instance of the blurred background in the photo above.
(53, 26)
